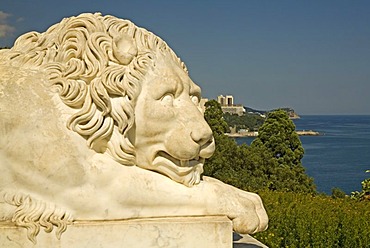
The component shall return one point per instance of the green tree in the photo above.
(278, 138)
(267, 164)
(221, 165)
(255, 164)
(214, 116)
(239, 166)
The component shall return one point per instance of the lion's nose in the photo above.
(202, 134)
(204, 139)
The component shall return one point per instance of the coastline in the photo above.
(255, 134)
(308, 133)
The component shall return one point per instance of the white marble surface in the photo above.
(99, 120)
(212, 232)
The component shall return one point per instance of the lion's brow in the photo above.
(168, 86)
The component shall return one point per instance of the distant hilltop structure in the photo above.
(228, 106)
(227, 100)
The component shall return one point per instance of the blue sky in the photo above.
(313, 56)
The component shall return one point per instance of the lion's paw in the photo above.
(245, 209)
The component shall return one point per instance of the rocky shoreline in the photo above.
(308, 133)
(255, 134)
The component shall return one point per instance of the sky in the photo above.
(312, 56)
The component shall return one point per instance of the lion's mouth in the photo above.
(192, 163)
(186, 171)
(183, 165)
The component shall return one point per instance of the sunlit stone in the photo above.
(99, 121)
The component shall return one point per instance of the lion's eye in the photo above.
(195, 100)
(167, 100)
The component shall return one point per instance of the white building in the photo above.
(227, 105)
(227, 100)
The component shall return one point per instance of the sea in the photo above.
(340, 155)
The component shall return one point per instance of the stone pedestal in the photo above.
(182, 232)
(154, 232)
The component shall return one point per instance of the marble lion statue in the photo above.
(99, 120)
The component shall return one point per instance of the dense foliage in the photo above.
(256, 167)
(233, 164)
(278, 138)
(252, 120)
(214, 117)
(247, 121)
(304, 220)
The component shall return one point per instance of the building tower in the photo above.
(229, 100)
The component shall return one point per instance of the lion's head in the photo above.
(131, 95)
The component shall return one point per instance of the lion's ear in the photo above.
(124, 48)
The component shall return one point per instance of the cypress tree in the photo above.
(277, 137)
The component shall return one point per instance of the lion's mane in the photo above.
(95, 73)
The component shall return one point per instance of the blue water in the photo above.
(340, 156)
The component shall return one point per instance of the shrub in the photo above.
(303, 220)
(337, 193)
